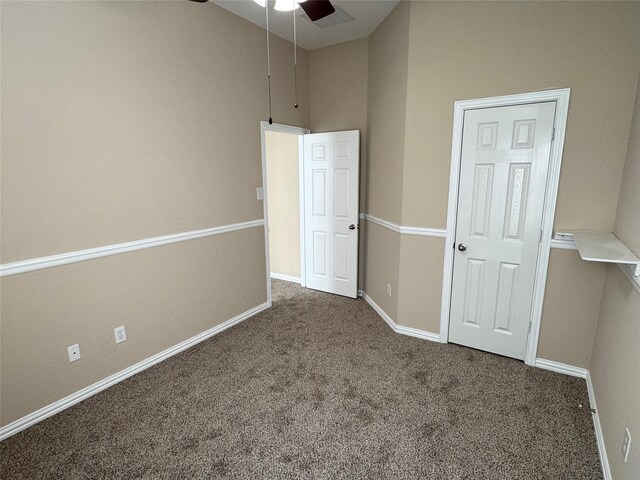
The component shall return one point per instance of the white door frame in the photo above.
(561, 97)
(278, 127)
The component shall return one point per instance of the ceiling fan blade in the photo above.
(317, 9)
(199, 1)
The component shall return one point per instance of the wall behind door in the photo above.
(283, 188)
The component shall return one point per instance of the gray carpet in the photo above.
(319, 387)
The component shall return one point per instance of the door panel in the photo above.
(331, 173)
(503, 177)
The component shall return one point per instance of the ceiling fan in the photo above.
(315, 9)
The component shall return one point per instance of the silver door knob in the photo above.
(462, 247)
(352, 227)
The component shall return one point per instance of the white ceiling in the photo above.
(367, 14)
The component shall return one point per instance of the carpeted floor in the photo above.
(319, 387)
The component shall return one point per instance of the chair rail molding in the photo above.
(40, 263)
(405, 230)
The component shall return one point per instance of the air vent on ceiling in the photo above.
(336, 18)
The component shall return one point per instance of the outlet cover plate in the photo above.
(120, 333)
(74, 352)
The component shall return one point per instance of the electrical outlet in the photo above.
(626, 444)
(389, 290)
(120, 334)
(259, 193)
(74, 352)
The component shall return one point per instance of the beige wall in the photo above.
(338, 78)
(420, 282)
(387, 87)
(154, 130)
(283, 187)
(570, 311)
(126, 120)
(616, 352)
(123, 121)
(162, 295)
(627, 225)
(387, 93)
(338, 89)
(382, 265)
(615, 373)
(464, 50)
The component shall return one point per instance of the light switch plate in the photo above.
(259, 193)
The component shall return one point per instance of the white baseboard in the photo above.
(602, 451)
(583, 373)
(561, 368)
(412, 332)
(64, 403)
(286, 278)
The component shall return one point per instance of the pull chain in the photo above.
(295, 62)
(266, 9)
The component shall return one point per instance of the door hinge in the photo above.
(529, 331)
(553, 133)
(541, 234)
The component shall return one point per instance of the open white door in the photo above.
(503, 178)
(331, 178)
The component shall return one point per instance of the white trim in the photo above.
(563, 244)
(602, 450)
(64, 403)
(32, 264)
(303, 270)
(583, 373)
(561, 368)
(423, 231)
(265, 210)
(286, 278)
(383, 223)
(412, 332)
(405, 230)
(628, 272)
(561, 97)
(277, 127)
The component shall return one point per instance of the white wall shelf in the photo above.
(605, 247)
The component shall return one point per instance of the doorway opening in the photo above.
(283, 202)
(310, 199)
